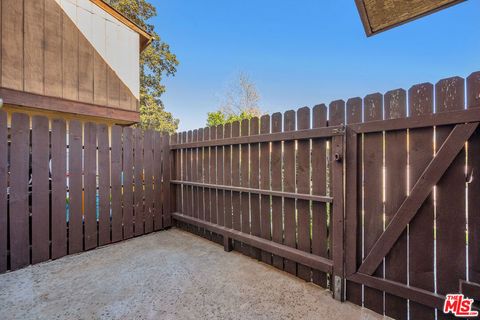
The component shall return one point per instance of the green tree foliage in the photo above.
(156, 61)
(240, 102)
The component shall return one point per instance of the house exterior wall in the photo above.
(68, 56)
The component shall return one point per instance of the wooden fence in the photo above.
(73, 186)
(406, 225)
(376, 199)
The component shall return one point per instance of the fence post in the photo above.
(337, 217)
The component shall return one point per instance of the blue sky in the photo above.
(305, 52)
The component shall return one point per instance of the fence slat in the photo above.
(148, 179)
(195, 178)
(276, 185)
(183, 156)
(178, 173)
(244, 182)
(103, 185)
(59, 189)
(158, 171)
(138, 192)
(421, 228)
(3, 190)
(395, 194)
(473, 101)
(188, 177)
(255, 183)
(220, 179)
(303, 186)
(19, 213)
(228, 177)
(75, 219)
(40, 190)
(212, 177)
(206, 178)
(373, 193)
(166, 178)
(289, 186)
(90, 185)
(450, 197)
(128, 141)
(201, 177)
(265, 206)
(116, 183)
(236, 223)
(319, 187)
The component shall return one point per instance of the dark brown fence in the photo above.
(376, 199)
(73, 186)
(410, 160)
(270, 185)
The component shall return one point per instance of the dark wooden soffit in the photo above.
(381, 15)
(30, 100)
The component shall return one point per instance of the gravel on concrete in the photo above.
(166, 275)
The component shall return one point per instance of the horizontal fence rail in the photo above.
(68, 187)
(256, 191)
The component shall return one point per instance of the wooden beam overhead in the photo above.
(380, 15)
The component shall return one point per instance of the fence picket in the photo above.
(319, 187)
(206, 179)
(276, 185)
(116, 183)
(265, 206)
(138, 192)
(40, 190)
(104, 226)
(303, 186)
(128, 209)
(19, 212)
(245, 182)
(228, 177)
(59, 189)
(201, 177)
(159, 201)
(254, 183)
(148, 179)
(188, 177)
(75, 189)
(220, 181)
(166, 178)
(421, 228)
(396, 159)
(195, 178)
(212, 179)
(90, 185)
(289, 186)
(450, 197)
(236, 223)
(373, 181)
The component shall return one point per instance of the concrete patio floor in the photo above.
(166, 275)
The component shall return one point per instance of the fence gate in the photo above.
(407, 182)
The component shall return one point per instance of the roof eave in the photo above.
(145, 37)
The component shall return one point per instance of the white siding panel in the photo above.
(116, 43)
(70, 8)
